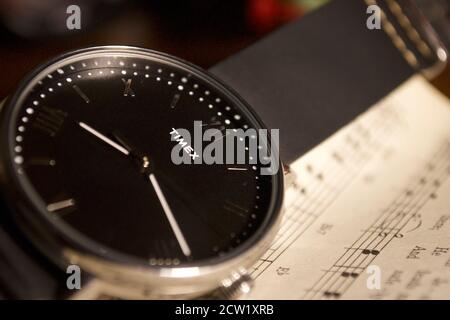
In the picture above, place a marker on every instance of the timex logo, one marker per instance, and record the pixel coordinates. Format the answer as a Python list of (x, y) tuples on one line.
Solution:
[(248, 149), (187, 148)]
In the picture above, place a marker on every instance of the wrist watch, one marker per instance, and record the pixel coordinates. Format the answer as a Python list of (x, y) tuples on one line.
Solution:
[(87, 174)]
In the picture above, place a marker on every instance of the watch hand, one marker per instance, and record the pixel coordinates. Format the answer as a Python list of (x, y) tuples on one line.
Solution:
[(125, 142), (186, 201), (129, 146), (173, 223), (134, 152), (103, 138)]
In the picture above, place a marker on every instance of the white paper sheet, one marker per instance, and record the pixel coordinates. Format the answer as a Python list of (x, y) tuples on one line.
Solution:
[(369, 217)]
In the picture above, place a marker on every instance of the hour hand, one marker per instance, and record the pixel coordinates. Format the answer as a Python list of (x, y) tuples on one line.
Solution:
[(142, 160), (130, 147), (104, 138)]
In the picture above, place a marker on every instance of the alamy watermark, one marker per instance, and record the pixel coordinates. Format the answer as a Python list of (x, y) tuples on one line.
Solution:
[(374, 20), (373, 281), (73, 21), (229, 146), (73, 281)]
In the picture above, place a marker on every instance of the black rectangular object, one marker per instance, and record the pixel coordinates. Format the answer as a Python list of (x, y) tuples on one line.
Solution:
[(315, 75)]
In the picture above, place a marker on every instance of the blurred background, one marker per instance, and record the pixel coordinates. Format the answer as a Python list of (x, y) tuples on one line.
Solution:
[(201, 31)]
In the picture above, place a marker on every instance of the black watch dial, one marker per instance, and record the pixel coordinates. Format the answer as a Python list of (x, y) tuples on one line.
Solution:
[(90, 144)]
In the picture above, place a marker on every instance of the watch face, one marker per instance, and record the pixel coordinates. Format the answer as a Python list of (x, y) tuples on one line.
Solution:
[(89, 143)]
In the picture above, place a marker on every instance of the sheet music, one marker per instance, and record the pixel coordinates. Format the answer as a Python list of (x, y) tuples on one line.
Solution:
[(369, 214)]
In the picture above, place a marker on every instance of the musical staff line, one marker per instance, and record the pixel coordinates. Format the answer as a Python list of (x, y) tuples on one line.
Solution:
[(365, 140), (366, 246), (405, 207)]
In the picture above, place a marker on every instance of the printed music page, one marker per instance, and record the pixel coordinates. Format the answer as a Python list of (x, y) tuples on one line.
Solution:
[(369, 214)]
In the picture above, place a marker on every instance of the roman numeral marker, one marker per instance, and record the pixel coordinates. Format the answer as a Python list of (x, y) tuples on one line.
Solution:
[(127, 91), (49, 120), (81, 93)]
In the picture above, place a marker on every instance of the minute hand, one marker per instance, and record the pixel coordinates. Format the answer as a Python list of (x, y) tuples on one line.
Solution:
[(173, 223), (104, 138)]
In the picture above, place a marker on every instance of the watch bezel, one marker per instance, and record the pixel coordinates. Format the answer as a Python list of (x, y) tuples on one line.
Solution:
[(63, 249)]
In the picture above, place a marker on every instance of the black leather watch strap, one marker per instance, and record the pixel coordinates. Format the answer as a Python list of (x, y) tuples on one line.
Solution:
[(25, 273), (313, 76)]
